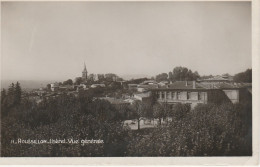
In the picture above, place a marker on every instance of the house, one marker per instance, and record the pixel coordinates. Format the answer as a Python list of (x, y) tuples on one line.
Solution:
[(193, 93), (54, 86), (163, 83), (146, 86), (132, 86), (149, 82), (97, 85), (82, 85), (142, 96)]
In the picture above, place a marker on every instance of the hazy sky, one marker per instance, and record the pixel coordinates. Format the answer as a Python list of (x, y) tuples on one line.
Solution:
[(51, 40)]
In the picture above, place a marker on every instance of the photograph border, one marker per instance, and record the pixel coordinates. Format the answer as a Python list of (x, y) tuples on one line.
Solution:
[(243, 160)]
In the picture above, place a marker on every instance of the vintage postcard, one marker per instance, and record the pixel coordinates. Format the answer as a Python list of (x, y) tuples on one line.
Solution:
[(130, 82)]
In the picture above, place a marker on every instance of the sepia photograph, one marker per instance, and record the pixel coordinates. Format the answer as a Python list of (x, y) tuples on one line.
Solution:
[(126, 79)]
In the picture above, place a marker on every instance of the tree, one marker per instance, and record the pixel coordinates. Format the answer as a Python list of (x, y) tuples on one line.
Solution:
[(158, 112), (4, 104), (101, 77), (110, 77), (3, 95), (91, 78), (68, 82), (78, 81), (138, 109), (184, 74), (17, 94), (170, 76), (11, 92), (196, 75), (245, 76), (161, 77), (180, 110), (48, 87)]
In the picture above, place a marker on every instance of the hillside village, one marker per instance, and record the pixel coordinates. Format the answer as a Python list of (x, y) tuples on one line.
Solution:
[(119, 92), (182, 106)]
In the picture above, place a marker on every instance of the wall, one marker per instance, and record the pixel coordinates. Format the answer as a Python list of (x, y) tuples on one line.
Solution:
[(181, 96), (233, 95)]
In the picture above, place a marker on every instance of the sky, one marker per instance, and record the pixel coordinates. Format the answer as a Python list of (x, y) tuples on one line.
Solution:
[(51, 40)]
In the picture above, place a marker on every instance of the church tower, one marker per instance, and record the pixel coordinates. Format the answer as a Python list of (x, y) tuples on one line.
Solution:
[(84, 73)]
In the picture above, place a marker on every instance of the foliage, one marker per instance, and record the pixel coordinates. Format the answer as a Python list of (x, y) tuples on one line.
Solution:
[(63, 117), (139, 110), (68, 82), (161, 77), (178, 74), (206, 131), (183, 73), (48, 87), (245, 76), (78, 81), (180, 110), (158, 112)]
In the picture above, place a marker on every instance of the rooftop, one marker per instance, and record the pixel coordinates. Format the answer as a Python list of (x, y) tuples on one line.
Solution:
[(185, 85), (216, 78)]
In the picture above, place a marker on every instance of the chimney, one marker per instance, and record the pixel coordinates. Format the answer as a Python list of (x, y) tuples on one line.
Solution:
[(194, 84)]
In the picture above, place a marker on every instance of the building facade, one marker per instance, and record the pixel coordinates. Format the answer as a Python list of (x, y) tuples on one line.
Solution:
[(196, 93)]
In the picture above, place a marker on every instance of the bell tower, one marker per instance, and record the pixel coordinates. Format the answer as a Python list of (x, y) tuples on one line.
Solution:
[(85, 73)]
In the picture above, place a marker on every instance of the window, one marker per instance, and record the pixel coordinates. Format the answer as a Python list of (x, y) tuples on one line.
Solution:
[(168, 95), (173, 95), (162, 95), (178, 95), (188, 95), (199, 95)]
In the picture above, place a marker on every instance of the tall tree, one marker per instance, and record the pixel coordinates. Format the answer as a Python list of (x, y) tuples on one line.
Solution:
[(17, 93), (158, 112), (161, 77), (184, 74), (138, 109), (10, 98), (3, 95), (91, 78)]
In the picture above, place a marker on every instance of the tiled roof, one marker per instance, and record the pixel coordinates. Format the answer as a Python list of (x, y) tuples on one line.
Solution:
[(148, 86), (149, 81), (185, 85), (216, 78), (226, 85)]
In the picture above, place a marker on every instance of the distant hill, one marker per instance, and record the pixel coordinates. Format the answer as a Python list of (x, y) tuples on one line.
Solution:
[(26, 84)]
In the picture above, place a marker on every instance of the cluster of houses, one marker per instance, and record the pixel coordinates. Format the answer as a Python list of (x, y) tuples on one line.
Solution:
[(213, 90)]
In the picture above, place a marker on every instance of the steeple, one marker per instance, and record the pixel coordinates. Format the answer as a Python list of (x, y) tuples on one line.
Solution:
[(85, 69), (84, 73)]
